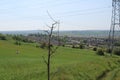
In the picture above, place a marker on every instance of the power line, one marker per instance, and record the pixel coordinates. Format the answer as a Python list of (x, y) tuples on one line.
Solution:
[(84, 12), (90, 9)]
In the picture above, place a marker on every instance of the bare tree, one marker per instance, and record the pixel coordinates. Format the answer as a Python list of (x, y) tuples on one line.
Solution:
[(51, 50)]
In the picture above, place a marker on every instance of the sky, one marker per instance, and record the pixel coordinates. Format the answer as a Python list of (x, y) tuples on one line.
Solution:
[(72, 14)]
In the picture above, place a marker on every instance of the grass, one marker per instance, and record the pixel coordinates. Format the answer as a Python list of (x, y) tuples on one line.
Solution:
[(66, 64)]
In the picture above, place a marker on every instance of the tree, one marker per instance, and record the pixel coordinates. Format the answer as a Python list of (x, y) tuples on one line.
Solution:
[(51, 49), (2, 37)]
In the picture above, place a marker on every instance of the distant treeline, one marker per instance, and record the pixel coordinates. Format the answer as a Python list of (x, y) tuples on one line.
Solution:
[(82, 33)]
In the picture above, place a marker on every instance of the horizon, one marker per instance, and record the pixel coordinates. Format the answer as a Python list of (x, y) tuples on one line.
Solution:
[(54, 30)]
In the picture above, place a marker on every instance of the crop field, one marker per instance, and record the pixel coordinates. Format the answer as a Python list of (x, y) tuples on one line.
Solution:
[(66, 64)]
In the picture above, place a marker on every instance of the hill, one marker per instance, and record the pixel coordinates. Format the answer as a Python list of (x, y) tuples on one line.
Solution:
[(66, 64)]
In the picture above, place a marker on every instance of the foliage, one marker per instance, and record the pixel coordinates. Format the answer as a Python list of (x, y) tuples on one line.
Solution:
[(37, 46), (43, 45), (2, 37), (22, 38), (116, 51), (17, 37), (27, 40), (94, 49), (17, 43), (73, 46), (85, 41), (108, 50), (63, 45), (100, 52), (81, 46), (117, 43)]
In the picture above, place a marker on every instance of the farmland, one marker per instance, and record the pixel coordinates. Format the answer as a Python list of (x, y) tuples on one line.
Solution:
[(66, 64)]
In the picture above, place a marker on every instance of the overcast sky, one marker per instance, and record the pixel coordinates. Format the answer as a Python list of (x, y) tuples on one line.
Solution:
[(73, 14)]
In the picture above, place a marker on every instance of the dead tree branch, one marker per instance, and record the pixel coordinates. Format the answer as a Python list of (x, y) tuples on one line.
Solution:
[(51, 50)]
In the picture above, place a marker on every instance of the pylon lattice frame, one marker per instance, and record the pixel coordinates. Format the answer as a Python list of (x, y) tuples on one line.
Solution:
[(115, 22)]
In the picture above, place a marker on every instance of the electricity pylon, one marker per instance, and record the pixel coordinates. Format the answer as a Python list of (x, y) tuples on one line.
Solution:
[(115, 23)]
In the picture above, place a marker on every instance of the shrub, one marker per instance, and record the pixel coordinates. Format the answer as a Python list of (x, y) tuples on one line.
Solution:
[(50, 45), (73, 46), (81, 46), (116, 51), (2, 37), (117, 44), (17, 43), (108, 50), (27, 40), (94, 49), (17, 37), (100, 52), (63, 45), (43, 45), (37, 46)]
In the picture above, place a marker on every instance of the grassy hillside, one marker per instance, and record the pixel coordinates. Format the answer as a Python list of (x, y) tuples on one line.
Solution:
[(66, 64)]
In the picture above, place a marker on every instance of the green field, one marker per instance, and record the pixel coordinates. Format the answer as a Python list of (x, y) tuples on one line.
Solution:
[(66, 64)]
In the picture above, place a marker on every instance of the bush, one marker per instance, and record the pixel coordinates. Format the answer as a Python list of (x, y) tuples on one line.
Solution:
[(2, 37), (116, 51), (73, 46), (100, 52), (17, 37), (81, 46), (27, 40), (17, 43), (117, 44), (108, 50), (43, 45), (63, 45), (37, 46), (94, 49)]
